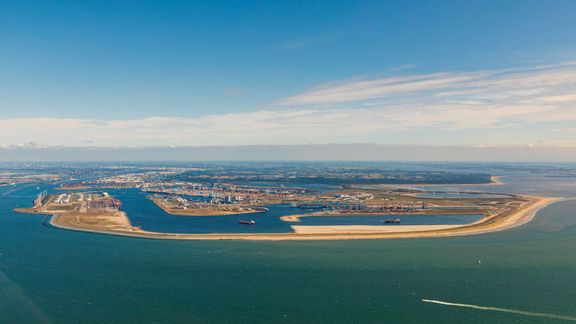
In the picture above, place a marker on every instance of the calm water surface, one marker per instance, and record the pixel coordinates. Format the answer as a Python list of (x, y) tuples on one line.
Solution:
[(144, 213), (51, 275)]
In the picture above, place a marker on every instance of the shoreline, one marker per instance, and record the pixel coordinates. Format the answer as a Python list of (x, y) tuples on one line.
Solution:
[(297, 217), (494, 181), (338, 232)]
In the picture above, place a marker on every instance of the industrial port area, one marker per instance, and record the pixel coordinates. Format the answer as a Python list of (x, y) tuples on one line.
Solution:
[(94, 201), (78, 203), (184, 198)]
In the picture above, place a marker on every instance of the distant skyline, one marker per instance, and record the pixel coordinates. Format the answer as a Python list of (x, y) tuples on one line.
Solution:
[(310, 152), (181, 74)]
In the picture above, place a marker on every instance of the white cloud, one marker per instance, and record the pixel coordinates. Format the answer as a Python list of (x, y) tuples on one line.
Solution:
[(379, 124), (363, 90), (483, 107), (504, 84)]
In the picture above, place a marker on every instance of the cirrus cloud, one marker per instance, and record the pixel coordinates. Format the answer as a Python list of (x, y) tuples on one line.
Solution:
[(490, 107)]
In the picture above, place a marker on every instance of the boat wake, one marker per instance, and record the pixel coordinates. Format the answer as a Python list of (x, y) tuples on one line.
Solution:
[(503, 310)]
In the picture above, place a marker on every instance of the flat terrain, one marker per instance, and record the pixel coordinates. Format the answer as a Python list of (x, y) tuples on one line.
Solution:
[(220, 210), (119, 225), (498, 214)]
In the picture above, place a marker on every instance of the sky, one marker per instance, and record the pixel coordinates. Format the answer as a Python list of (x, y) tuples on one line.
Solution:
[(140, 74)]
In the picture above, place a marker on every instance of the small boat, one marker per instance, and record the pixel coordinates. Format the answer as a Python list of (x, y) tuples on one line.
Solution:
[(392, 221), (247, 222)]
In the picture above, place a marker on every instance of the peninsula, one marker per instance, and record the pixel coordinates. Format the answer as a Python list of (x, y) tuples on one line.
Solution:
[(179, 206), (99, 213)]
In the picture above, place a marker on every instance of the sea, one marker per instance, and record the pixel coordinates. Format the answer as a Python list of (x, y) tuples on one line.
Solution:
[(522, 275)]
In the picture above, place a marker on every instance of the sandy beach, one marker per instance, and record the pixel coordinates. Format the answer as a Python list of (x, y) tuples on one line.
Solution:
[(357, 229), (298, 217), (119, 224)]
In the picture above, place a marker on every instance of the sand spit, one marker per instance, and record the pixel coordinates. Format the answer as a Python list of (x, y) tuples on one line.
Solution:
[(119, 224)]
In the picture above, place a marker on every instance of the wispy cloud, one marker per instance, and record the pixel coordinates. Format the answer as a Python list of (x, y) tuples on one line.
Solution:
[(501, 107), (339, 92), (446, 124), (503, 84)]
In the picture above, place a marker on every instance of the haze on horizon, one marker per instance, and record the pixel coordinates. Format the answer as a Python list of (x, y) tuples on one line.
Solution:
[(485, 80)]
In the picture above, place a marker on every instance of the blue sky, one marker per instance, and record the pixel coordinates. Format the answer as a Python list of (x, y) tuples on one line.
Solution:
[(185, 73)]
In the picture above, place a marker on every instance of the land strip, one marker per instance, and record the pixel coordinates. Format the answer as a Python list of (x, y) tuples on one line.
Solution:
[(117, 223), (220, 210)]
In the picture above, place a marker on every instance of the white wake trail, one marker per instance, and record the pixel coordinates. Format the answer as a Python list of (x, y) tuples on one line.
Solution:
[(504, 310)]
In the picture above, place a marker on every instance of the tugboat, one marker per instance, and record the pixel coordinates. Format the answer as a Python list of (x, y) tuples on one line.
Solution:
[(247, 222)]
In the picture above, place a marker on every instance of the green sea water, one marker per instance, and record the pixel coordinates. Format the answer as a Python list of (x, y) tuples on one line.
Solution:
[(52, 275)]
